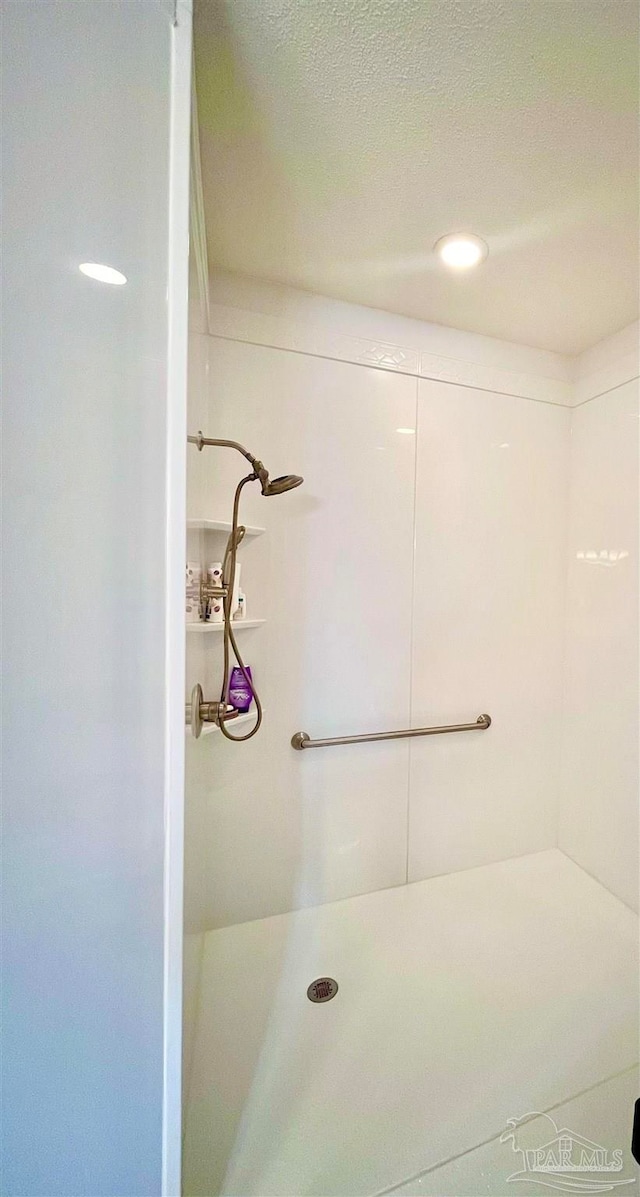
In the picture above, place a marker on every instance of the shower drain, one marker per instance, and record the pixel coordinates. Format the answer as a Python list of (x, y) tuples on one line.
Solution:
[(322, 989)]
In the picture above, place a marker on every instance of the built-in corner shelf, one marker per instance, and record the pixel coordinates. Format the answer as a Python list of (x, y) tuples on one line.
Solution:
[(207, 626), (222, 526)]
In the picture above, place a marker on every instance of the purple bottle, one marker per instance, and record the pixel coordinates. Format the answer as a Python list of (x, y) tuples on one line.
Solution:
[(240, 692)]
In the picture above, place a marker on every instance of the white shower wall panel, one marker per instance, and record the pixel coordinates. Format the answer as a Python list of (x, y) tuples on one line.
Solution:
[(488, 607), (269, 829), (599, 808), (386, 608)]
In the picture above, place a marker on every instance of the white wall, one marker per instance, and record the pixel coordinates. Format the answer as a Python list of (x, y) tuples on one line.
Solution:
[(598, 822), (86, 86), (193, 948), (488, 608), (268, 314), (269, 829), (196, 647), (335, 576)]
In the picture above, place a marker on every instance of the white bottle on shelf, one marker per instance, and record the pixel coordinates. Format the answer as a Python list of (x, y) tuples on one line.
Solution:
[(215, 610), (192, 595), (236, 591), (214, 573)]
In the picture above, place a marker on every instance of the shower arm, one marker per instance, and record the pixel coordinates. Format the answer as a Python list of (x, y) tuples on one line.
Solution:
[(259, 469)]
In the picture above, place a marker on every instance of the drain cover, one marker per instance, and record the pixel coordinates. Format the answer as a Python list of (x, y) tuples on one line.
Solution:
[(322, 989)]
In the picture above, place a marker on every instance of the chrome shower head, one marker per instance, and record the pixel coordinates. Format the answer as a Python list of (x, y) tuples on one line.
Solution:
[(279, 485)]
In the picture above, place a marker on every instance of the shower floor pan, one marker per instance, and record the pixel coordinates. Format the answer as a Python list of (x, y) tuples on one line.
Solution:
[(463, 1001)]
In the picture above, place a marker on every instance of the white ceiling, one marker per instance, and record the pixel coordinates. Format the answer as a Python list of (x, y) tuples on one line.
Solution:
[(341, 138)]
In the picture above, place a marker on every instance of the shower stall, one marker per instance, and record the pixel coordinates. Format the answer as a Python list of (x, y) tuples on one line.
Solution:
[(411, 958)]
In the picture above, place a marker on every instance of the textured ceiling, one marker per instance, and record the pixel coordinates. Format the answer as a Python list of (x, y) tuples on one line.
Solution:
[(341, 138)]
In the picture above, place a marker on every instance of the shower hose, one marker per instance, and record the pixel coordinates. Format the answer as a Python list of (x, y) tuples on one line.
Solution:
[(228, 579)]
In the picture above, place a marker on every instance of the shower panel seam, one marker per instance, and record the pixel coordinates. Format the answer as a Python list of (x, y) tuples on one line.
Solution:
[(564, 627), (348, 361), (416, 1176), (597, 880), (600, 395), (412, 618)]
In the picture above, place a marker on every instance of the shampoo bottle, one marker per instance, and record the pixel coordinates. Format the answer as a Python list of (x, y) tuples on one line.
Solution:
[(240, 692)]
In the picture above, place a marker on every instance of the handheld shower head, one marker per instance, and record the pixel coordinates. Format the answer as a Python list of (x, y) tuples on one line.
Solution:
[(279, 485)]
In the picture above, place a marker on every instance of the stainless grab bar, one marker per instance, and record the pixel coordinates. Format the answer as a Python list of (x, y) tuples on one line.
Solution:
[(301, 740)]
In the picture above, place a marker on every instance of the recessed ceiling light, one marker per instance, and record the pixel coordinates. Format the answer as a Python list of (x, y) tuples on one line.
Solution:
[(407, 431), (461, 251), (103, 274)]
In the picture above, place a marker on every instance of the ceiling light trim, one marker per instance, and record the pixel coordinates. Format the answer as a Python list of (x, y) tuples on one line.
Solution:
[(461, 251)]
